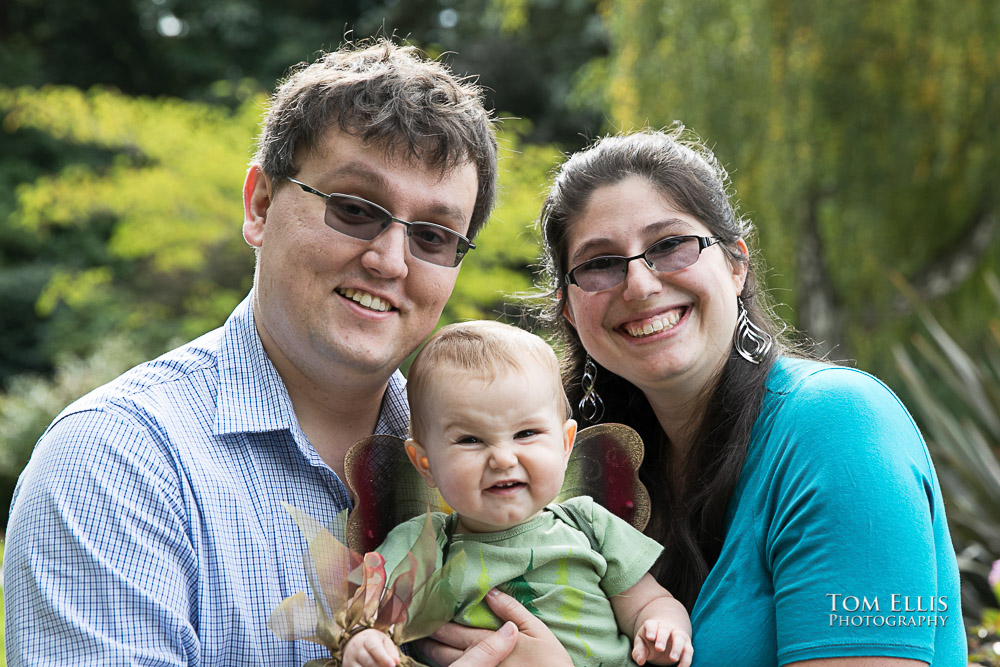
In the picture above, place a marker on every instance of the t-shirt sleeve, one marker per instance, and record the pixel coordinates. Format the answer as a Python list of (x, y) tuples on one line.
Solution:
[(848, 534), (629, 553), (99, 567)]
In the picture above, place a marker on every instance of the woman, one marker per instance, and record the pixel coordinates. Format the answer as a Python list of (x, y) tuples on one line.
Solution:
[(799, 510)]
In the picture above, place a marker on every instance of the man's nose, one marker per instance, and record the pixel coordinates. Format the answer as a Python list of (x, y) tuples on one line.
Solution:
[(386, 254)]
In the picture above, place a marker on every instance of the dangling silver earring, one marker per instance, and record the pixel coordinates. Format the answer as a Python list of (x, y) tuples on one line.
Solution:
[(591, 406), (752, 343)]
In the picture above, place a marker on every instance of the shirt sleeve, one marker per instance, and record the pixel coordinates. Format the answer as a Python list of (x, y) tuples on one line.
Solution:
[(847, 531), (629, 553), (98, 565)]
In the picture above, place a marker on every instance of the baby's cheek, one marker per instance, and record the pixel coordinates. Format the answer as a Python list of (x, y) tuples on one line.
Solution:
[(456, 495)]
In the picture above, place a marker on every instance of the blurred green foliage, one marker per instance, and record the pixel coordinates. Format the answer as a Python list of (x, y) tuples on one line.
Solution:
[(984, 637), (145, 243), (525, 52)]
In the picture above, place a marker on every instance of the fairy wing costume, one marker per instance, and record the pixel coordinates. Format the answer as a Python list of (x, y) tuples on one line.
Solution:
[(387, 489), (353, 591)]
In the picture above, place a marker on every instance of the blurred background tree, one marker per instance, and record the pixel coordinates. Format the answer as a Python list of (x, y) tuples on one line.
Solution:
[(861, 138)]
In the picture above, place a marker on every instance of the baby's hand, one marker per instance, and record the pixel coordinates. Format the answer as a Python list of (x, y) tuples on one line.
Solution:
[(370, 648), (662, 644)]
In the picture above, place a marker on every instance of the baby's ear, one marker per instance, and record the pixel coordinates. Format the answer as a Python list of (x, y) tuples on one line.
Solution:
[(418, 457), (569, 437)]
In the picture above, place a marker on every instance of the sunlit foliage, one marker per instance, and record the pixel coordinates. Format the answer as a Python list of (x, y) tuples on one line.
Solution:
[(166, 207)]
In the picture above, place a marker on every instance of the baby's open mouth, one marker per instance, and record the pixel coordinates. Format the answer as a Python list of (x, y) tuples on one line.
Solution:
[(504, 486)]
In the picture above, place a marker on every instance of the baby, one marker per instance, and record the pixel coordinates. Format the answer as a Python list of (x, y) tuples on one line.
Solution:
[(490, 429)]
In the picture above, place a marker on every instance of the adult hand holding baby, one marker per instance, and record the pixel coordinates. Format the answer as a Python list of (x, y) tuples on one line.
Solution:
[(523, 637), (372, 648)]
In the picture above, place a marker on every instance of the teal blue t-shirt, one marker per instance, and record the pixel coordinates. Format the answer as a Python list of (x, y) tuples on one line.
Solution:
[(836, 542)]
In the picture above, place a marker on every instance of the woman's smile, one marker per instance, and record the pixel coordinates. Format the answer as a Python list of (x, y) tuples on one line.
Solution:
[(645, 327)]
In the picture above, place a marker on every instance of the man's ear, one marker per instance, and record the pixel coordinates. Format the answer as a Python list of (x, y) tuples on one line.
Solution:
[(418, 457), (256, 200), (569, 437)]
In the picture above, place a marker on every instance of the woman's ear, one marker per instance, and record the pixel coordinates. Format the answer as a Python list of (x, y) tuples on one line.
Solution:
[(256, 200), (418, 457), (739, 273), (567, 312)]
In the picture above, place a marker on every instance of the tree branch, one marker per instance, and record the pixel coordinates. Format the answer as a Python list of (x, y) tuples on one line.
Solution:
[(819, 314), (946, 272)]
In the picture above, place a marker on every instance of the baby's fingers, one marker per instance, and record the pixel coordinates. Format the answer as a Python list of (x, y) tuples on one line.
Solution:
[(639, 651), (679, 644), (380, 651), (657, 634)]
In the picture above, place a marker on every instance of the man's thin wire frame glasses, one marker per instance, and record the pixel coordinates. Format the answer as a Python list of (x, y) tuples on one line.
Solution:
[(671, 253), (362, 219)]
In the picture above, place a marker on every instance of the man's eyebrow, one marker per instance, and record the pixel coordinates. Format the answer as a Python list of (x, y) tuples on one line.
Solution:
[(362, 170), (661, 227), (375, 180)]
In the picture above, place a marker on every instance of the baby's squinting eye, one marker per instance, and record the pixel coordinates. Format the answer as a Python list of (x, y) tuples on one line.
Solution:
[(526, 433), (468, 440)]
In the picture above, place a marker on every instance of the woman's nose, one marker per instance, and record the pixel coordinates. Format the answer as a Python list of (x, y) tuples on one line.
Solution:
[(641, 280)]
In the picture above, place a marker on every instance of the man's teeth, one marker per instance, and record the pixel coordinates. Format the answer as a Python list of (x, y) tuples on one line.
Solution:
[(365, 299), (654, 325)]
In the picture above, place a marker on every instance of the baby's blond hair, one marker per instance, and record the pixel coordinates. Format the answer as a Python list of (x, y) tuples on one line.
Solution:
[(483, 349)]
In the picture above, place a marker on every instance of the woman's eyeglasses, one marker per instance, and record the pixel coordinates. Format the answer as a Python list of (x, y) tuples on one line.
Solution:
[(365, 220), (672, 253)]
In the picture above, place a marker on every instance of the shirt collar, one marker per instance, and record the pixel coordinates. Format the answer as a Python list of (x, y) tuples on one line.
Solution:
[(394, 415), (252, 396)]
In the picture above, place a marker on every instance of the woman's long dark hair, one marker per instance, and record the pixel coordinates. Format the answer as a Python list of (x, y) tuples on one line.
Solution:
[(689, 522)]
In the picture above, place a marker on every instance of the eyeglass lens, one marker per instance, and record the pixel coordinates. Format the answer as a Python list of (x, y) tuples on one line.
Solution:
[(364, 220), (670, 254)]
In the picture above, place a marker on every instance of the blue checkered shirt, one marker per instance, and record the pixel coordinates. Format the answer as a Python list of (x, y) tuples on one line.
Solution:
[(148, 528)]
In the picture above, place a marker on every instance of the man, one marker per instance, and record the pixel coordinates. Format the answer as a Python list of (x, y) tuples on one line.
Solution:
[(148, 527)]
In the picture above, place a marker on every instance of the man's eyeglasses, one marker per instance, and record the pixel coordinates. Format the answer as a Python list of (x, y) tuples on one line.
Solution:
[(672, 253), (365, 220)]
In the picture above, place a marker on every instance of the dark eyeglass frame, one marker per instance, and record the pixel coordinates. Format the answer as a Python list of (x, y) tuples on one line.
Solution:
[(463, 244), (623, 262)]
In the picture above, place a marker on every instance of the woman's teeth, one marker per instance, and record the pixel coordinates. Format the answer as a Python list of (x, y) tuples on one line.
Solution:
[(365, 299), (654, 325)]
